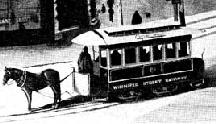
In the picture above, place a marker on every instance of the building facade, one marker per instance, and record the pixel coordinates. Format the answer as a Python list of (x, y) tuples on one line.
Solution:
[(26, 22)]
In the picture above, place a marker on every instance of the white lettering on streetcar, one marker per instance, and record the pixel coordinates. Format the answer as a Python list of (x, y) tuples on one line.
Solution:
[(155, 35), (129, 85), (176, 79), (152, 82), (158, 81)]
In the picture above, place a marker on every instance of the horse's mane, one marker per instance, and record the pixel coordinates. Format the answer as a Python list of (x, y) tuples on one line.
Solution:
[(13, 69), (39, 73), (22, 70)]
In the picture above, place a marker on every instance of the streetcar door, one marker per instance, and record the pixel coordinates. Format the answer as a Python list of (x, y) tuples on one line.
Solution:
[(95, 58), (103, 63)]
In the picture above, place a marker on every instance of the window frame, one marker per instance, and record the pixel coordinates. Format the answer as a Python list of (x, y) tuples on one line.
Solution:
[(110, 58), (138, 61), (107, 58), (162, 53), (150, 54), (124, 56), (189, 49), (175, 50)]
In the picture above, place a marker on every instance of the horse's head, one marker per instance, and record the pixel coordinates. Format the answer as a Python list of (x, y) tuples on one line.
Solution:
[(11, 73), (7, 76)]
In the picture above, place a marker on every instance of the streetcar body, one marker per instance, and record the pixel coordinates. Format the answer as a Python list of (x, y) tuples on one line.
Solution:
[(137, 60)]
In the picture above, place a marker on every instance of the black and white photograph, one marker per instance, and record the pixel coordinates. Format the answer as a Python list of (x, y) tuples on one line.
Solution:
[(107, 61)]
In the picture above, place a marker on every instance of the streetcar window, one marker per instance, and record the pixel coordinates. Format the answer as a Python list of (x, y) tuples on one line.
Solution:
[(170, 50), (116, 57), (130, 55), (104, 58), (157, 52), (144, 54), (183, 49)]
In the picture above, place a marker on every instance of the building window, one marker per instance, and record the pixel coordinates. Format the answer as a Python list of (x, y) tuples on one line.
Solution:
[(130, 55), (157, 52), (144, 54), (116, 57)]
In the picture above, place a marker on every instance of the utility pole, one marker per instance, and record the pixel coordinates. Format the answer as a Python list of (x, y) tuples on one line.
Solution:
[(176, 11), (122, 22), (182, 14), (178, 6)]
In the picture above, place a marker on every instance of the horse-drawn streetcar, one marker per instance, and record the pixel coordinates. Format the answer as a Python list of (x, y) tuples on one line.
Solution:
[(127, 62), (132, 61)]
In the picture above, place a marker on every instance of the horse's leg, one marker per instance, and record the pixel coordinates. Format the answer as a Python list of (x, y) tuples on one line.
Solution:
[(52, 79), (58, 89), (55, 96), (28, 94)]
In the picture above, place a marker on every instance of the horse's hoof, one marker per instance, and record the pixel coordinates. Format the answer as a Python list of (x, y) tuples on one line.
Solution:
[(33, 110), (55, 106), (30, 110)]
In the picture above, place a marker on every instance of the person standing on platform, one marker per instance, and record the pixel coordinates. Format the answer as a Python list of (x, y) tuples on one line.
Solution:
[(85, 64)]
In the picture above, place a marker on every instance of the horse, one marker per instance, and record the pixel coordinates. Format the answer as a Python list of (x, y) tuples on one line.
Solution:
[(35, 81)]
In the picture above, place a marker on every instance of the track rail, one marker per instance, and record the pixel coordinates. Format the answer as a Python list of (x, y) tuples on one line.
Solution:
[(67, 109)]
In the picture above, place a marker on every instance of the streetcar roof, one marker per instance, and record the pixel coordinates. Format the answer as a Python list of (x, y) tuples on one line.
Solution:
[(128, 34)]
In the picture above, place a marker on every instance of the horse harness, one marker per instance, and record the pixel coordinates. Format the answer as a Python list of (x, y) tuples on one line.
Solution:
[(21, 82)]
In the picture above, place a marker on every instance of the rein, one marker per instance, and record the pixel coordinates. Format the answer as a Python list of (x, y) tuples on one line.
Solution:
[(59, 82), (23, 78), (42, 94), (66, 77)]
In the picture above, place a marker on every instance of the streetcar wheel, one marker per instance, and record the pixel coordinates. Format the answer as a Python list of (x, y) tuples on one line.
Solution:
[(162, 90), (129, 96), (198, 85)]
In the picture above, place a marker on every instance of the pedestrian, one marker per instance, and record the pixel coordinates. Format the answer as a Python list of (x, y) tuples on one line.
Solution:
[(103, 9), (85, 64), (136, 19), (111, 12)]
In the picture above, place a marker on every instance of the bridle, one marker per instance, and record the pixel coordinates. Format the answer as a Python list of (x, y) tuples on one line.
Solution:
[(20, 81), (6, 82)]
